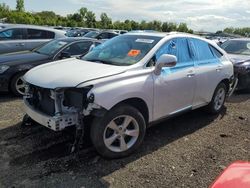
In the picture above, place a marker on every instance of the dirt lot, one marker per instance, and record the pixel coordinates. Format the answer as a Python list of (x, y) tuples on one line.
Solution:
[(187, 151)]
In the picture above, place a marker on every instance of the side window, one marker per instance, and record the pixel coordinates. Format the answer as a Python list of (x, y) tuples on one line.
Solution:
[(78, 48), (39, 34), (111, 35), (103, 36), (216, 52), (50, 35), (12, 34), (200, 50), (178, 47), (168, 48)]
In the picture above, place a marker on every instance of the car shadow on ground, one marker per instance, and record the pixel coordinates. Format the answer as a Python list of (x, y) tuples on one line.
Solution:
[(239, 96), (35, 146), (6, 97)]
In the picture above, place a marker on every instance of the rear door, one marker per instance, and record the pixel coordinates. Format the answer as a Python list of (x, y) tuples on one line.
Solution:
[(208, 68), (174, 87), (36, 37), (12, 40)]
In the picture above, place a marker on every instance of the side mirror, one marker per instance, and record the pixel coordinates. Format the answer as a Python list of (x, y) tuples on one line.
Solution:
[(65, 55), (165, 61)]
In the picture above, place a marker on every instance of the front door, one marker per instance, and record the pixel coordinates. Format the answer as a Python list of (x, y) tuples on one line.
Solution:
[(174, 88)]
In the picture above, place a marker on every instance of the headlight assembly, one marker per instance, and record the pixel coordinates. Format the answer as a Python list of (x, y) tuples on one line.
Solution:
[(3, 68)]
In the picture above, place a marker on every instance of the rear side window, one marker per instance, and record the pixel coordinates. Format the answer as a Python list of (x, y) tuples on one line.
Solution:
[(111, 35), (103, 36), (50, 35), (216, 52), (12, 34), (39, 34), (200, 50), (78, 48), (123, 32)]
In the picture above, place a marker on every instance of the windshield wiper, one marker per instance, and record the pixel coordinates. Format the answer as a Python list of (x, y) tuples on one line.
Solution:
[(106, 62), (98, 61)]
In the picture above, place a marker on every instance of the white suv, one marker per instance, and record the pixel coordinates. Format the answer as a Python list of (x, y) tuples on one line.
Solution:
[(127, 84)]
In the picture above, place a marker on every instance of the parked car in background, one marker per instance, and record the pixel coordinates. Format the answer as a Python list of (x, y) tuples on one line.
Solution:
[(14, 65), (239, 53), (121, 31), (236, 175), (14, 38), (78, 32), (127, 84), (101, 35)]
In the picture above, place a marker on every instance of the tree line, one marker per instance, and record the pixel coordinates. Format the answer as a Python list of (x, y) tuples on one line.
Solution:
[(245, 31), (83, 18)]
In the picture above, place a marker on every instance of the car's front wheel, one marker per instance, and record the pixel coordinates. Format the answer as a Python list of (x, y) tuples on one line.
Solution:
[(119, 133)]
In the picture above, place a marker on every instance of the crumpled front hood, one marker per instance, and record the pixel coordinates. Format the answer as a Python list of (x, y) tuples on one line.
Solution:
[(70, 73)]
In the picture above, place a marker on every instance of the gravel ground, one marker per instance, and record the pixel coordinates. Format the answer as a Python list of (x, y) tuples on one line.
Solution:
[(187, 151)]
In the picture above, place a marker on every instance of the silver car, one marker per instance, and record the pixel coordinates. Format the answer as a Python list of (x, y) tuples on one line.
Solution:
[(14, 38), (127, 84)]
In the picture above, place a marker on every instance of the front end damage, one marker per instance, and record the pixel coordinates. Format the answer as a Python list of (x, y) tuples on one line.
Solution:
[(58, 108)]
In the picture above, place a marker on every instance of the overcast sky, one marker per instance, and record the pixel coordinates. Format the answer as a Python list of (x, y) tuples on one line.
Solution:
[(206, 15)]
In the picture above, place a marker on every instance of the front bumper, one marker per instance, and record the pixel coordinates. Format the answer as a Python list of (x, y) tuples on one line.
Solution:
[(55, 123), (4, 83)]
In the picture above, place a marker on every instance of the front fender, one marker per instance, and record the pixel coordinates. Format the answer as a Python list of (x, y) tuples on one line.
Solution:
[(108, 95)]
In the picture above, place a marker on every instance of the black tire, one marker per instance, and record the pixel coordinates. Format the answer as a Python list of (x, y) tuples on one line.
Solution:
[(211, 108), (27, 121), (13, 82), (99, 126)]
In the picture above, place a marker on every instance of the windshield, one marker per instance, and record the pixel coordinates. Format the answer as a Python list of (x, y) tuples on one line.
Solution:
[(92, 34), (122, 50), (237, 47), (51, 48)]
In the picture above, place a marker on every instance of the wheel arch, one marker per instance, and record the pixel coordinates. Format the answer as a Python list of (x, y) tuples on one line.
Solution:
[(226, 82), (13, 75), (137, 103)]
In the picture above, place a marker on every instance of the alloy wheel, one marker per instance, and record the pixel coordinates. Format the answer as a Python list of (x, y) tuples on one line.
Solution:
[(20, 85), (121, 133), (219, 98)]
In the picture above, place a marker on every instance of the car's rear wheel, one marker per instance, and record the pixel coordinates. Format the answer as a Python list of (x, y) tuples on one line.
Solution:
[(218, 100), (119, 133), (17, 85)]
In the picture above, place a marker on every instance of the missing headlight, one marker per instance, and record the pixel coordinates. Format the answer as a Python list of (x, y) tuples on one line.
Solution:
[(74, 97)]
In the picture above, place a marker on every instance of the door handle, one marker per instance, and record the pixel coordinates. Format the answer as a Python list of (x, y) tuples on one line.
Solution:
[(191, 74), (219, 68), (20, 44)]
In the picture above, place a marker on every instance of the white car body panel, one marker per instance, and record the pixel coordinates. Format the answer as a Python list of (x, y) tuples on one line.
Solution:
[(164, 95), (51, 76), (173, 92)]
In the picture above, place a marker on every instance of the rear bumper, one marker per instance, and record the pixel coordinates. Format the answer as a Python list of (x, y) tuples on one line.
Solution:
[(55, 123)]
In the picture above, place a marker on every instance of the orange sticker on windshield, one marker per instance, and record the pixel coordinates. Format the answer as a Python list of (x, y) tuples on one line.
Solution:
[(134, 53)]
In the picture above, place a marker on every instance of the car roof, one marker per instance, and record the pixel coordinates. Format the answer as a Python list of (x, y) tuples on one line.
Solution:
[(172, 35), (9, 26), (240, 39), (108, 31), (153, 34), (75, 39), (167, 34)]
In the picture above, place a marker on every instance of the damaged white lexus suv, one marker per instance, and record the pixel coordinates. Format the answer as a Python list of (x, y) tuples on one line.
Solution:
[(127, 84)]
